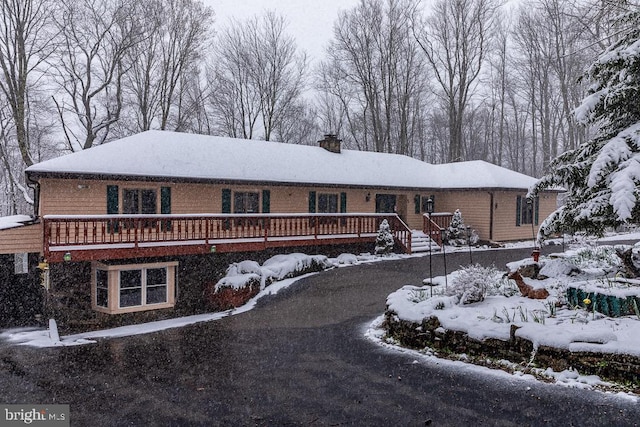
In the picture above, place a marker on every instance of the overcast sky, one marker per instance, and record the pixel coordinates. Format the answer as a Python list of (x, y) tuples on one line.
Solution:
[(310, 21)]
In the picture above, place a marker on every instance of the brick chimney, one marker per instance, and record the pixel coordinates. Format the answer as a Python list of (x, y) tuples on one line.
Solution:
[(331, 143)]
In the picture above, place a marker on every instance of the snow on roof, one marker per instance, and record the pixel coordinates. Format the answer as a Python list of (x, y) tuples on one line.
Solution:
[(162, 154), (480, 174), (13, 221)]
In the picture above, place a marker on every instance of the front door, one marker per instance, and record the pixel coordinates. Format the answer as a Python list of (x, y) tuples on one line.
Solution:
[(401, 207)]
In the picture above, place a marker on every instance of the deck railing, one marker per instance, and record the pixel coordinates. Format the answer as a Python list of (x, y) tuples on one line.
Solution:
[(434, 224), (253, 231)]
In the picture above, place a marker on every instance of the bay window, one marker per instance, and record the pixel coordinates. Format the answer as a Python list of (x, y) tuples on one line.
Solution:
[(136, 287)]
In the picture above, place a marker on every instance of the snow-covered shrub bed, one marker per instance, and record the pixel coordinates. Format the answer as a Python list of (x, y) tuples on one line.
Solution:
[(244, 274), (500, 312), (244, 280), (594, 260)]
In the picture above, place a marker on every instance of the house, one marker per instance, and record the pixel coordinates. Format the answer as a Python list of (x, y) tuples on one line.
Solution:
[(125, 219)]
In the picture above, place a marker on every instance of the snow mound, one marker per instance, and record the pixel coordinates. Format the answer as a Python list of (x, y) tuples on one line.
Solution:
[(242, 274)]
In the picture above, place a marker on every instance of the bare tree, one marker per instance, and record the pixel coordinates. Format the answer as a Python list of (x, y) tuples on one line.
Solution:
[(548, 58), (376, 72), (16, 195), (280, 70), (234, 97), (258, 77), (299, 125), (176, 32), (25, 42), (456, 38), (95, 36)]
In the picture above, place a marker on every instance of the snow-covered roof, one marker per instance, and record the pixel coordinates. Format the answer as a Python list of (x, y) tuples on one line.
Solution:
[(173, 155), (13, 221)]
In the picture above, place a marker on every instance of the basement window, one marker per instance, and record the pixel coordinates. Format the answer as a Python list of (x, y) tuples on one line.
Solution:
[(134, 287)]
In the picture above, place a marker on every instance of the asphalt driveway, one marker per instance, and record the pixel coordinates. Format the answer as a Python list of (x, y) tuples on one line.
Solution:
[(298, 358)]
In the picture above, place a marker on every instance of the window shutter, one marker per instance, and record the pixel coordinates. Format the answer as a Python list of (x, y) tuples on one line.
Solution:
[(112, 199), (165, 200), (518, 210), (343, 202), (536, 212), (416, 204), (226, 200), (312, 202), (165, 206), (112, 207), (266, 201)]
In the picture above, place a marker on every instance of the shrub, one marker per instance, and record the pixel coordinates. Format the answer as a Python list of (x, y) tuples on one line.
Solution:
[(458, 234), (384, 240), (472, 283)]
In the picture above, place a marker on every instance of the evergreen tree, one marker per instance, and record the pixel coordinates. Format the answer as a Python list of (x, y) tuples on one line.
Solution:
[(602, 175), (456, 233), (384, 240)]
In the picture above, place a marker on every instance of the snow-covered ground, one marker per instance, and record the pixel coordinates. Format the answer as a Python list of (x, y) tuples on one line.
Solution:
[(275, 271), (41, 337), (540, 321), (550, 321)]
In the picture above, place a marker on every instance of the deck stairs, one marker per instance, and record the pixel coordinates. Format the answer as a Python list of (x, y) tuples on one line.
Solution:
[(420, 242)]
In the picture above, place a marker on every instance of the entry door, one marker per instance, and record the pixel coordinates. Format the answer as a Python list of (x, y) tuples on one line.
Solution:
[(401, 207), (385, 203)]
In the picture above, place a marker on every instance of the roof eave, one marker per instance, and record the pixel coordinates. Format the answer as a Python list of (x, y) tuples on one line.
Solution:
[(37, 175)]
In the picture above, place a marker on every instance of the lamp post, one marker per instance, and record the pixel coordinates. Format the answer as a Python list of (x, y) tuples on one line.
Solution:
[(536, 252), (444, 258), (430, 211)]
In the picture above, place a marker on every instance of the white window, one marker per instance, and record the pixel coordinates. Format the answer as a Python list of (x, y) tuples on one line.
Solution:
[(140, 287), (127, 288), (102, 288), (21, 263)]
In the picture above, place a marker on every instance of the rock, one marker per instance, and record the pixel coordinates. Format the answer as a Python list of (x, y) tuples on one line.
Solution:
[(557, 268), (530, 270)]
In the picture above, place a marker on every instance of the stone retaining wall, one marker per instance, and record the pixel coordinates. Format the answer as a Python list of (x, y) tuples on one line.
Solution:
[(620, 368)]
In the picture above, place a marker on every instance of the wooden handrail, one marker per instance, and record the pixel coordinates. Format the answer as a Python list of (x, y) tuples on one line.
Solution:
[(433, 225), (134, 231)]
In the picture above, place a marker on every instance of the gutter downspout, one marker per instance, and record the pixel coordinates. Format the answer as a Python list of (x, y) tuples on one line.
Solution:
[(491, 215), (35, 186)]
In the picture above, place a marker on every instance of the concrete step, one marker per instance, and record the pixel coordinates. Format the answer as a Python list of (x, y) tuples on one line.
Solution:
[(420, 242)]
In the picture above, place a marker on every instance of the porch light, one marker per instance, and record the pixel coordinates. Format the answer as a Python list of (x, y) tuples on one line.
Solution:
[(67, 256), (212, 249), (429, 205), (367, 197)]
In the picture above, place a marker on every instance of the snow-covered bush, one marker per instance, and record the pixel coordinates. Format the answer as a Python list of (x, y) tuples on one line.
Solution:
[(248, 273), (243, 267), (384, 240), (600, 257), (281, 267), (238, 281), (346, 259), (472, 283)]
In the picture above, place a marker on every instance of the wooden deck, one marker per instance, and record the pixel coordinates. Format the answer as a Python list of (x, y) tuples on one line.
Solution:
[(104, 237)]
